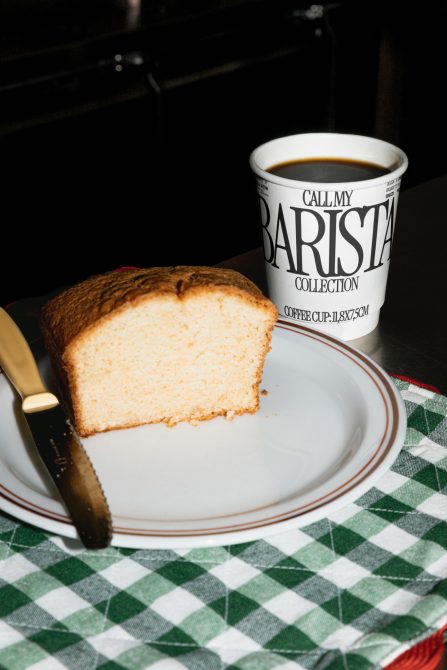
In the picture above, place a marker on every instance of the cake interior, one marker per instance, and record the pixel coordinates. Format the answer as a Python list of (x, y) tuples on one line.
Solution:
[(170, 359)]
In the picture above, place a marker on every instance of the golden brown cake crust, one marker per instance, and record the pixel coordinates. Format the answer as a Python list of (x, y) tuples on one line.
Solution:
[(78, 308)]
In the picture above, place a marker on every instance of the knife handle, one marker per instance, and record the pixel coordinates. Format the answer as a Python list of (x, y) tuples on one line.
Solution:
[(18, 364)]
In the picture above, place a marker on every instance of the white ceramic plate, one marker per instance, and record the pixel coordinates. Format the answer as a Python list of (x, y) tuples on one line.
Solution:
[(329, 426)]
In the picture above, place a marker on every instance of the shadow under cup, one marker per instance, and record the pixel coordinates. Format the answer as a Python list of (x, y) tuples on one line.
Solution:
[(327, 244)]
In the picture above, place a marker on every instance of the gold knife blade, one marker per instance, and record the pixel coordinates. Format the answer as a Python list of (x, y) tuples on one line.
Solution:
[(56, 441)]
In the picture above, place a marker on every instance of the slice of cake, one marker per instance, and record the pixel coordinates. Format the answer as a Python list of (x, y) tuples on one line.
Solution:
[(161, 344)]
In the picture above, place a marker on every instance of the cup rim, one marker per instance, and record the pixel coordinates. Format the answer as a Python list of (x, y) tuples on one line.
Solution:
[(329, 186)]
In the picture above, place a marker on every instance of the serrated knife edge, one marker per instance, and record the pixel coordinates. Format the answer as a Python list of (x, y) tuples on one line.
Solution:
[(56, 441)]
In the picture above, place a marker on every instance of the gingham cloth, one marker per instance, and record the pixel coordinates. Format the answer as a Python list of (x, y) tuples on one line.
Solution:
[(349, 592)]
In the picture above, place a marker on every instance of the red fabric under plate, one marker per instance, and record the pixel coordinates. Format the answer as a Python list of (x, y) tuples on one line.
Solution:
[(427, 655), (416, 382)]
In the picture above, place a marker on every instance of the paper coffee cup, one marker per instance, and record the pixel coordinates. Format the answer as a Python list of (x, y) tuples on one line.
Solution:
[(327, 245)]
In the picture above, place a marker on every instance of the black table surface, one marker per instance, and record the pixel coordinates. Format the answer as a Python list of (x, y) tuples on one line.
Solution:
[(411, 338)]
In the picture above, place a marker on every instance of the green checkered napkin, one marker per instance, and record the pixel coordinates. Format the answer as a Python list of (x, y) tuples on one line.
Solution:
[(351, 591)]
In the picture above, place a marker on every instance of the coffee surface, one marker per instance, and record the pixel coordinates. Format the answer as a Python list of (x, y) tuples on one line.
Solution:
[(328, 170)]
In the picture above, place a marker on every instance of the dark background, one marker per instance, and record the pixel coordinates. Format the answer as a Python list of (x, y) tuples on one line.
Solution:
[(126, 126)]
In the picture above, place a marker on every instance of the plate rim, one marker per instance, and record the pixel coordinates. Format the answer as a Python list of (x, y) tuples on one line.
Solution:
[(126, 536)]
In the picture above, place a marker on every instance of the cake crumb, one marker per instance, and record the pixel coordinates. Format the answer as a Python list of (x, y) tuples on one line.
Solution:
[(264, 392)]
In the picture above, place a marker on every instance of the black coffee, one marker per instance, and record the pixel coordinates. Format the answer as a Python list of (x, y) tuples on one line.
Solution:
[(328, 170)]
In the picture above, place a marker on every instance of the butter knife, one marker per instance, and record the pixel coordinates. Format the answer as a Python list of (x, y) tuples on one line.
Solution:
[(56, 441)]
